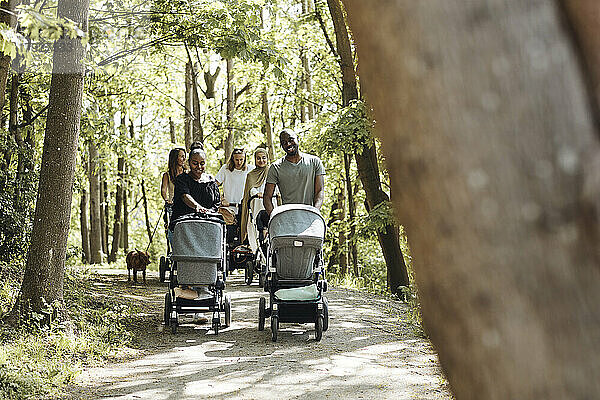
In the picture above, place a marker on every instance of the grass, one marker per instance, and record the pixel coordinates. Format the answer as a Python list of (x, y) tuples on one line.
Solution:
[(38, 361)]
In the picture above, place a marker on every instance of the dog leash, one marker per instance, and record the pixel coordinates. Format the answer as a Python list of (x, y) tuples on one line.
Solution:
[(155, 227)]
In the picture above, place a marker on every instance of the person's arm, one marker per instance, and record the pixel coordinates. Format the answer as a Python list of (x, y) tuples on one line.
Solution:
[(191, 203), (268, 197), (164, 188), (319, 191)]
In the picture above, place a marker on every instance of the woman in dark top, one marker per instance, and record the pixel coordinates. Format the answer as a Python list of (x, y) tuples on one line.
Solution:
[(195, 191)]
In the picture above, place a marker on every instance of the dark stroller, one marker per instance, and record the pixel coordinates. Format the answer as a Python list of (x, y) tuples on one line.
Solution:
[(164, 265), (295, 278), (238, 253), (257, 264), (199, 260)]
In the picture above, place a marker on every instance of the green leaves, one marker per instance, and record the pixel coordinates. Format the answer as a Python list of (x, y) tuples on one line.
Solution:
[(349, 130)]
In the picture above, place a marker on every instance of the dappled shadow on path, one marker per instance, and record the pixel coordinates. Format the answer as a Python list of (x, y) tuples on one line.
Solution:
[(368, 352)]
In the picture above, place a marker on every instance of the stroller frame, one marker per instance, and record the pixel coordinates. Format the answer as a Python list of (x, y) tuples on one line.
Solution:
[(296, 311), (216, 304)]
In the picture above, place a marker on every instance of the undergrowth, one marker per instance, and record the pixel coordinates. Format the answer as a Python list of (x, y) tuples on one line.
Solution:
[(37, 361)]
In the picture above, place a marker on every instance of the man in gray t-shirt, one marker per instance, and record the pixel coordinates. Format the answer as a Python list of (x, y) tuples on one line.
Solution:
[(299, 176)]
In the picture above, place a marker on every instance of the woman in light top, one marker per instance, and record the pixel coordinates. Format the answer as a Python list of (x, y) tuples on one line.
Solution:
[(232, 176), (255, 186)]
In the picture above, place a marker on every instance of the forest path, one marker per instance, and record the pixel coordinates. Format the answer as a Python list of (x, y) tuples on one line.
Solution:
[(368, 352)]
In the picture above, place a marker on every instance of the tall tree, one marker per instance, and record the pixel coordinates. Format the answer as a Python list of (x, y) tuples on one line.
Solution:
[(228, 145), (44, 271), (366, 158), (84, 226), (497, 185), (7, 17), (95, 216), (187, 122)]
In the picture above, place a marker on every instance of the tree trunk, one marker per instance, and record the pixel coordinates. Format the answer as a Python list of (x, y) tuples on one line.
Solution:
[(118, 206), (266, 124), (103, 212), (582, 17), (187, 121), (145, 201), (7, 17), (197, 132), (125, 230), (13, 121), (307, 85), (95, 225), (351, 212), (172, 131), (44, 271), (366, 160), (230, 107), (497, 186), (83, 224)]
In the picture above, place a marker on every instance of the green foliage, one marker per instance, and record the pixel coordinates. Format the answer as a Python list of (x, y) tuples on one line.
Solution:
[(349, 130), (38, 361)]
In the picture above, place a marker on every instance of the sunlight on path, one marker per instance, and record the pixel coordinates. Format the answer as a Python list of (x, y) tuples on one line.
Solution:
[(357, 358)]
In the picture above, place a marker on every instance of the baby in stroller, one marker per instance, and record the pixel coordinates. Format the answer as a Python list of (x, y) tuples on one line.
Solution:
[(295, 278)]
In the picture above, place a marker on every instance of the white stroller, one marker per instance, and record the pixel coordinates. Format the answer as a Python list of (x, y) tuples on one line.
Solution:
[(295, 278), (199, 260)]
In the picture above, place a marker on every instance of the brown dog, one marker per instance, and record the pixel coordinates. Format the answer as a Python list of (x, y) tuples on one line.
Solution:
[(137, 261)]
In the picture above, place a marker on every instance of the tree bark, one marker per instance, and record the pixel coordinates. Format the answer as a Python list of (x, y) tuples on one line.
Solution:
[(125, 230), (84, 226), (187, 121), (497, 185), (366, 159), (307, 84), (582, 18), (95, 225), (44, 271)]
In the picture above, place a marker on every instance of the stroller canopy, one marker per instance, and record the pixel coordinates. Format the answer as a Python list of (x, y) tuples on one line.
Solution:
[(197, 240), (297, 220)]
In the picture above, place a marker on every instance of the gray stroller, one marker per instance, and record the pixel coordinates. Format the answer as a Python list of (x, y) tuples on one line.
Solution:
[(199, 261), (295, 274)]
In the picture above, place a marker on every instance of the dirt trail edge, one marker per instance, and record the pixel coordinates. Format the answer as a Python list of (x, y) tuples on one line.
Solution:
[(368, 352)]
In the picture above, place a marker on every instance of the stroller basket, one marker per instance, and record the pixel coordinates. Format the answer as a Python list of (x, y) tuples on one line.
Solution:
[(198, 251)]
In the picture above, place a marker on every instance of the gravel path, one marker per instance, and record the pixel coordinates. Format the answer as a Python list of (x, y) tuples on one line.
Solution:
[(369, 352)]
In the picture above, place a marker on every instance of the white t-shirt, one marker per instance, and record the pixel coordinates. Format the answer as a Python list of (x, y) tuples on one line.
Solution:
[(233, 182)]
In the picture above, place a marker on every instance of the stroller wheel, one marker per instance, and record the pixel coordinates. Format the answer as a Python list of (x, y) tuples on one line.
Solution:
[(249, 272), (261, 279), (162, 268), (261, 313), (319, 328), (174, 324), (167, 312), (274, 328), (227, 311), (325, 314)]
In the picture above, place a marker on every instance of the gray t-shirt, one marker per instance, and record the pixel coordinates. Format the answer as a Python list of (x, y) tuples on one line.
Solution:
[(296, 182)]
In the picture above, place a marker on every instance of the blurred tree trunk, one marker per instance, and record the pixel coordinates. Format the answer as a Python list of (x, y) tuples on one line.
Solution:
[(44, 271), (494, 158), (366, 160), (187, 121), (95, 225), (84, 227)]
